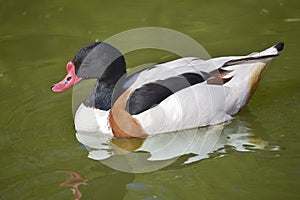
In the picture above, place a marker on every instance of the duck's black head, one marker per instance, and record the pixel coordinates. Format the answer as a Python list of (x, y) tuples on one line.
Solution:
[(82, 54), (98, 60)]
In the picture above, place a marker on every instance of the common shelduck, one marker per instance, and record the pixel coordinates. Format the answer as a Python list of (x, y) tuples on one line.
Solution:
[(176, 95)]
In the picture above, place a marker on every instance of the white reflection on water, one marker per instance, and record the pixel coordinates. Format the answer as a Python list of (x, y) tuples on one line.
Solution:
[(158, 151)]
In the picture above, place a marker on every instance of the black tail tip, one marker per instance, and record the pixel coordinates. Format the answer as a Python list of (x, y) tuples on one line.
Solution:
[(279, 46)]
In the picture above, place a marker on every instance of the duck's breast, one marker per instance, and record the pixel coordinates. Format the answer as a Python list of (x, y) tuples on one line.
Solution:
[(88, 119)]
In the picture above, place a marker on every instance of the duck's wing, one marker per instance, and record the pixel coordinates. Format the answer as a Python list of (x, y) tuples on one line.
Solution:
[(153, 93), (163, 71), (190, 92), (153, 85)]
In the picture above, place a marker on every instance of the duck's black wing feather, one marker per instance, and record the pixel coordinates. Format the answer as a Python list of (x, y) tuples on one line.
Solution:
[(151, 94)]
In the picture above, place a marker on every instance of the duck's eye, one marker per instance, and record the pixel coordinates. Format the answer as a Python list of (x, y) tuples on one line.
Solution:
[(69, 78)]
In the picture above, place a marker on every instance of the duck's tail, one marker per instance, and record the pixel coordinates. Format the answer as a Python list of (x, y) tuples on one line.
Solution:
[(253, 57), (246, 72)]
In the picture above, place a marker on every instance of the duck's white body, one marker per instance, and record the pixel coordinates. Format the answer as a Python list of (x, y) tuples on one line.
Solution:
[(89, 119), (201, 104)]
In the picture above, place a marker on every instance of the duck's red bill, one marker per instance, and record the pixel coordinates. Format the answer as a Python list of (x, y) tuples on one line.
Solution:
[(70, 79)]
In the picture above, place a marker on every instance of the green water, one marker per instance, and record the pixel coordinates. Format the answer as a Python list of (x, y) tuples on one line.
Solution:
[(37, 135)]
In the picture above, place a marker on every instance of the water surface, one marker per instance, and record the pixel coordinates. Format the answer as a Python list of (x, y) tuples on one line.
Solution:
[(37, 135)]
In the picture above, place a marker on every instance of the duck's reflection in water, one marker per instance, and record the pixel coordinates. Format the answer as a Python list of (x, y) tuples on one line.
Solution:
[(73, 182), (154, 152)]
